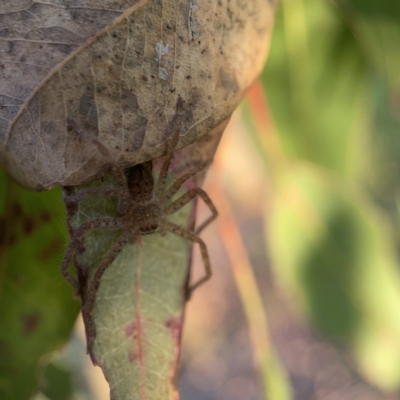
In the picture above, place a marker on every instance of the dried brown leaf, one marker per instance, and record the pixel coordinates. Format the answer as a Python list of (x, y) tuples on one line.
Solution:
[(117, 67)]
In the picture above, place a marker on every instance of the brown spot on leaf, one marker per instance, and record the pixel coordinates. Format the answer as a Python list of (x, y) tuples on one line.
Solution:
[(53, 248), (30, 323), (12, 239), (3, 235), (131, 332), (174, 324), (17, 210), (28, 224), (132, 356), (131, 329), (7, 236), (45, 217)]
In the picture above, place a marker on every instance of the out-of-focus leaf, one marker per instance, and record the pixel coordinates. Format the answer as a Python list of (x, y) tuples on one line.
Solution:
[(37, 309), (380, 172), (377, 28), (58, 383), (333, 252), (274, 380), (332, 248), (314, 80)]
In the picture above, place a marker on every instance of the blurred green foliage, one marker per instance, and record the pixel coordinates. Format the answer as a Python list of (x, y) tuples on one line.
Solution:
[(37, 309), (333, 230), (376, 26), (59, 385), (315, 80)]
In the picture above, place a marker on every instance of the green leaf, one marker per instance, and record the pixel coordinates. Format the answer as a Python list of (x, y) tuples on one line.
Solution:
[(315, 82), (376, 25), (58, 383), (139, 307), (37, 309), (332, 246), (380, 173), (333, 252), (138, 347)]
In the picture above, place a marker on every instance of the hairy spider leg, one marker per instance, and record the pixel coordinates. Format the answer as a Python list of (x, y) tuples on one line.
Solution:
[(93, 191), (64, 268), (193, 237), (181, 180), (186, 198), (94, 286), (106, 223)]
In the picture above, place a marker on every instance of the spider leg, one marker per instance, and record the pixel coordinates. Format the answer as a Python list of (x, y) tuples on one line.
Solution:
[(93, 191), (90, 138), (190, 195), (98, 223), (180, 181), (162, 177), (193, 237), (108, 223), (91, 294), (69, 255)]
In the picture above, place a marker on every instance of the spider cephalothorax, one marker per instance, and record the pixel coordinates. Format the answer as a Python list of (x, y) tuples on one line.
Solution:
[(143, 208)]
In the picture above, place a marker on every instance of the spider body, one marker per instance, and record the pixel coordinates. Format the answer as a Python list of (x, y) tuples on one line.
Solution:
[(143, 208), (148, 217), (141, 211)]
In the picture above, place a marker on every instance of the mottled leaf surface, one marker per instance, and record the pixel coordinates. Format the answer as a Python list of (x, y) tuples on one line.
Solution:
[(117, 68), (37, 311)]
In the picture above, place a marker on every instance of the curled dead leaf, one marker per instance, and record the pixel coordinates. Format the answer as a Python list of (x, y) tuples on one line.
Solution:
[(117, 68)]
